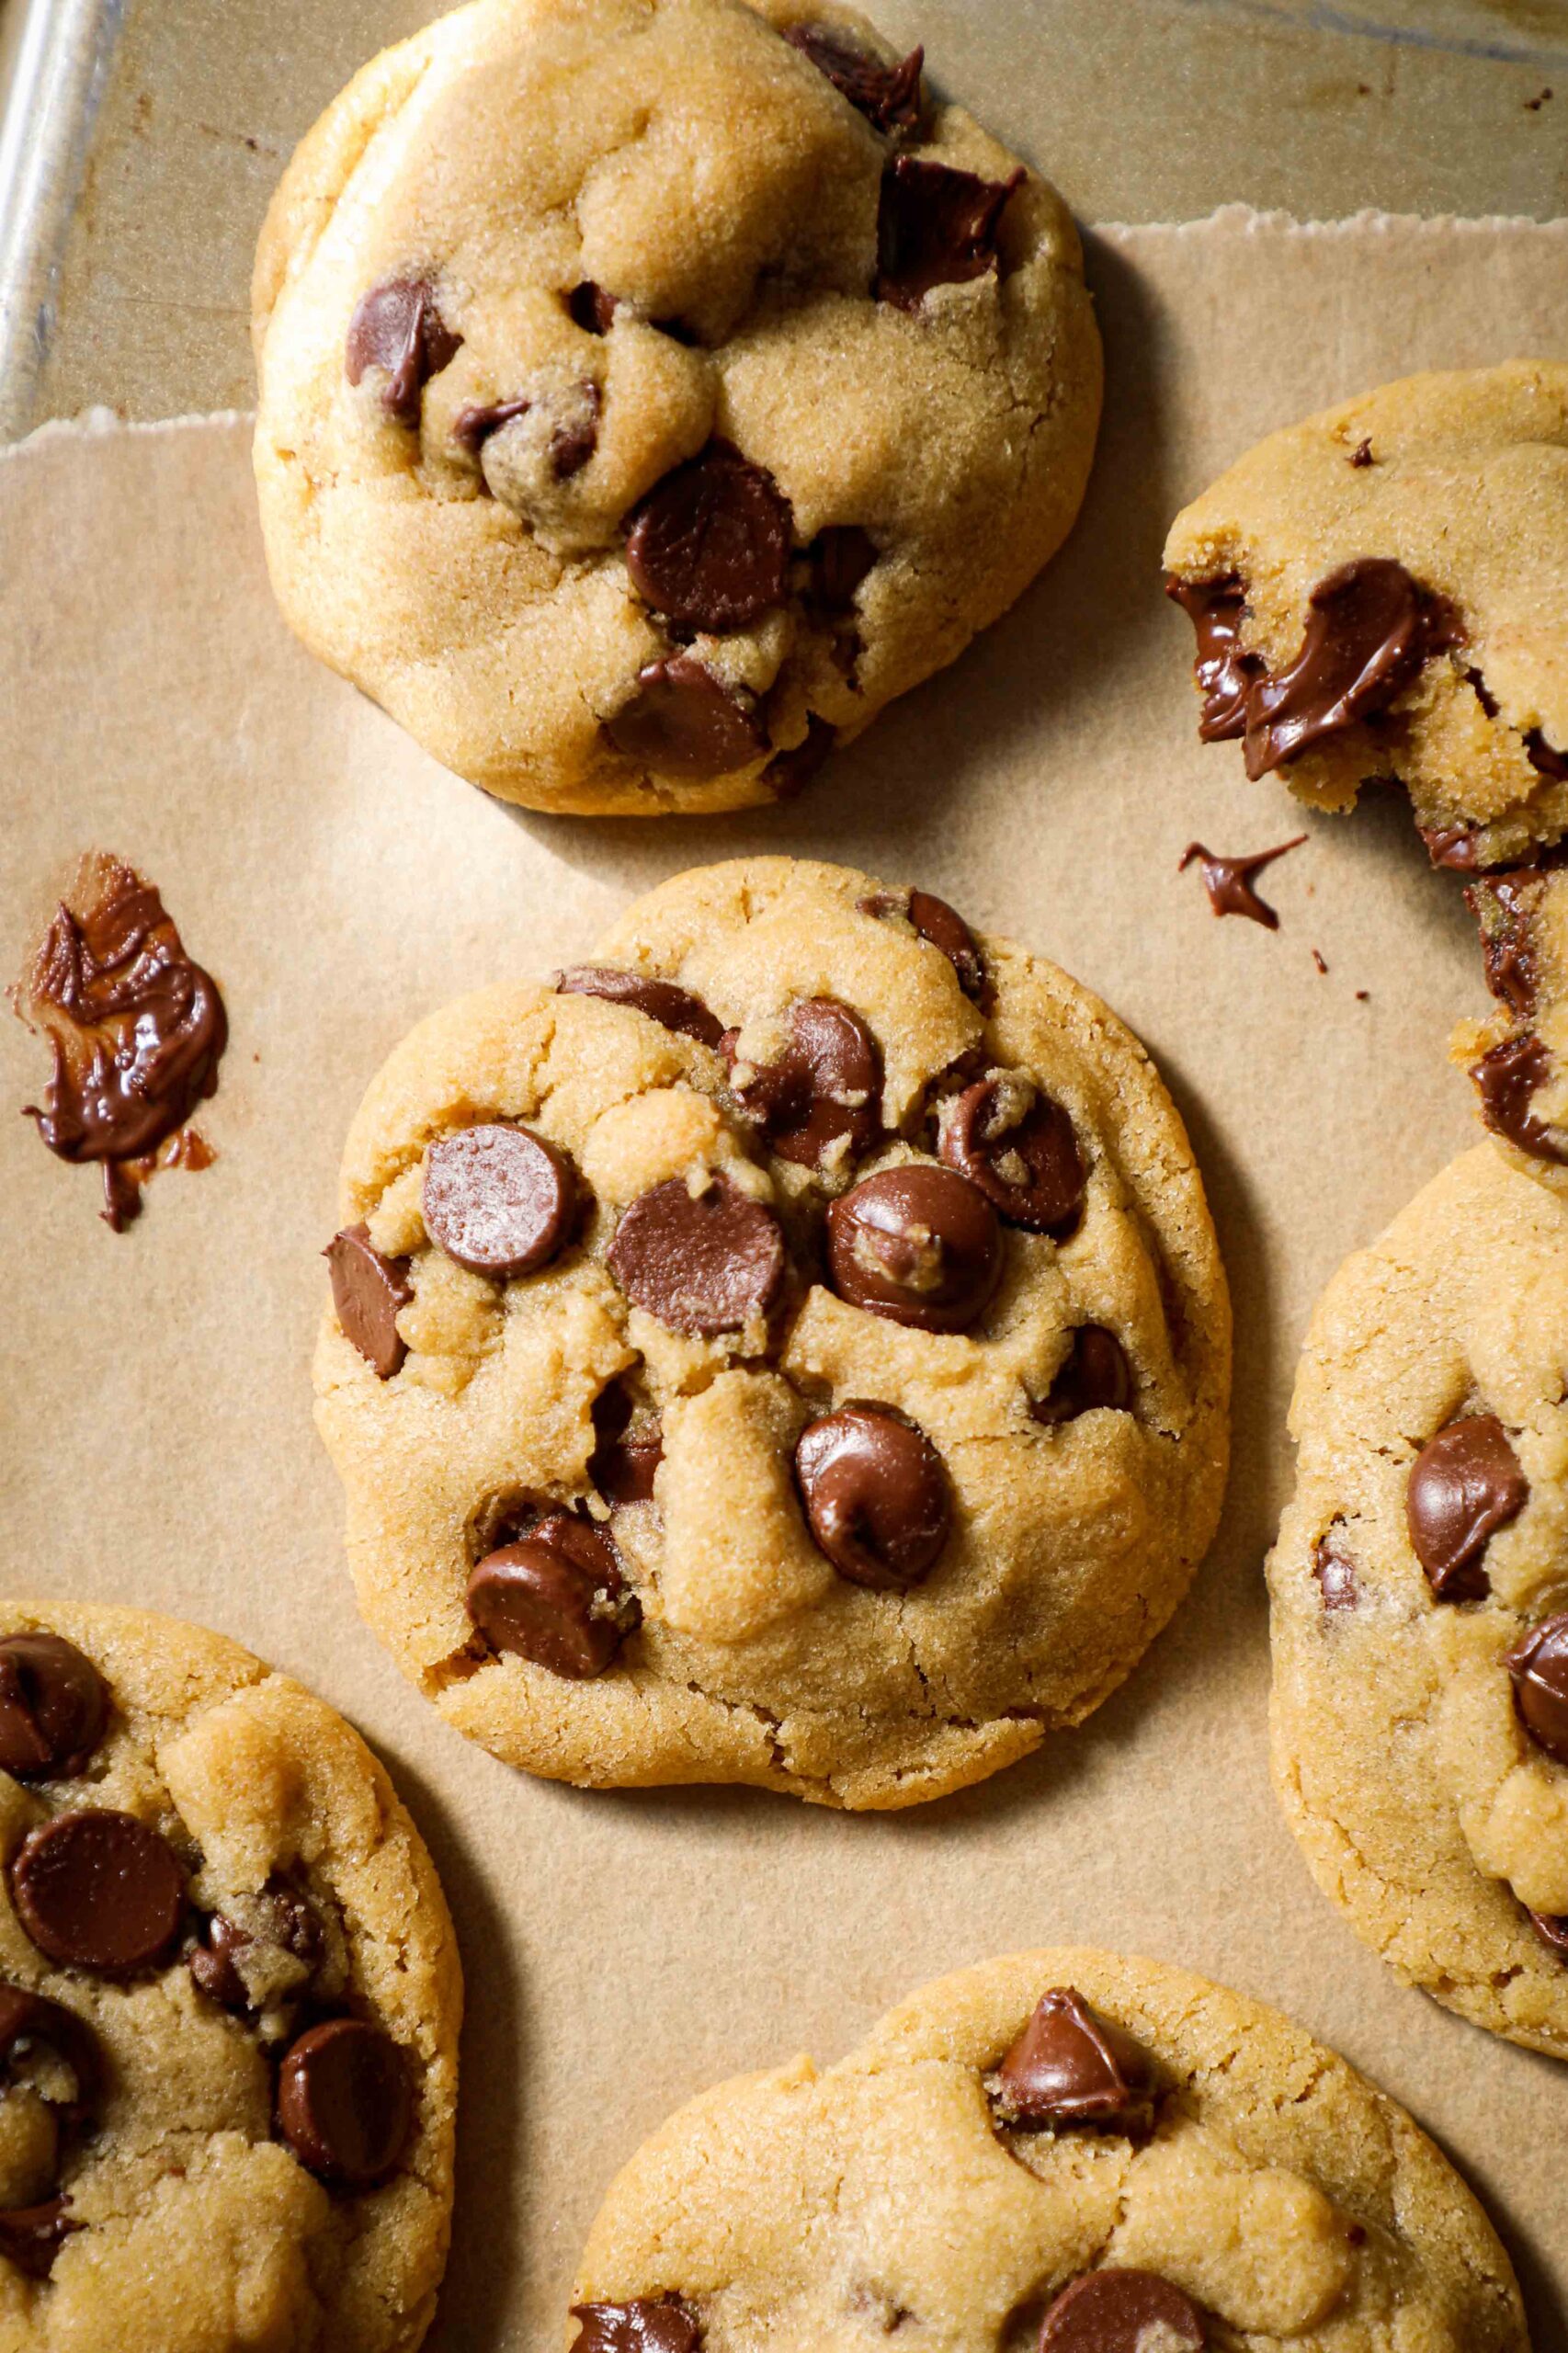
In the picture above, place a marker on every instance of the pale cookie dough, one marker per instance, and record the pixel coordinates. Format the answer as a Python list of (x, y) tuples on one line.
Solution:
[(1420, 1709), (229, 2006), (651, 389), (1381, 592), (1068, 2151), (1519, 1060), (765, 1443)]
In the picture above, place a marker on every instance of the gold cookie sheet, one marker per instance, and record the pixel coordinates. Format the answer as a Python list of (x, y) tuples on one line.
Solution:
[(624, 1951)]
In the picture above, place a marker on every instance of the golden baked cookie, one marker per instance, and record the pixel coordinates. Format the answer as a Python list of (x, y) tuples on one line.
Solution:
[(651, 389), (1065, 2151), (1420, 1600), (1382, 593), (229, 2006), (792, 1348)]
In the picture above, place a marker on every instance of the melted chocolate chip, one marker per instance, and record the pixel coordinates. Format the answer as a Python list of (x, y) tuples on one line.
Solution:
[(1506, 906), (1122, 2312), (888, 95), (591, 307), (1464, 1484), (1538, 1665), (366, 1292), (840, 557), (98, 1890), (936, 227), (556, 1596), (1506, 1079), (627, 1450), (1553, 1932), (1095, 1375), (1224, 674), (398, 326), (53, 1707), (1544, 757), (1020, 1149), (1369, 629), (709, 547), (498, 1200), (573, 441), (825, 1086), (788, 774), (646, 2325), (1453, 846), (683, 721), (289, 1923), (705, 1264), (919, 1244), (135, 1030), (663, 1001), (1071, 2067), (875, 1495), (474, 423), (27, 2020), (1228, 881), (1334, 1569), (945, 928), (31, 2236), (345, 2103)]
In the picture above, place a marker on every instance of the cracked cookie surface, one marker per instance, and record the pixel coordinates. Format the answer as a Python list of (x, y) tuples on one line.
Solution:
[(1380, 592), (229, 2006), (1418, 1590), (653, 390), (867, 1416), (1064, 2150)]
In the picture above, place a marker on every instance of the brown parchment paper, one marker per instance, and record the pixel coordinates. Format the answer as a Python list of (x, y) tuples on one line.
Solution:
[(623, 1950)]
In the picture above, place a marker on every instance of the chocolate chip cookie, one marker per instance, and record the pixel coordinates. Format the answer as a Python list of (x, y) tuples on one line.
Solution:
[(229, 2006), (651, 389), (790, 1348), (1382, 593), (1420, 1600), (1519, 1060), (1064, 2151)]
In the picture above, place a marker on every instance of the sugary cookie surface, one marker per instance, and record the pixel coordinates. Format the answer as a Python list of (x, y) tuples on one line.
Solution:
[(1420, 1598), (793, 1349), (229, 2006), (1381, 592), (651, 390), (1059, 2153)]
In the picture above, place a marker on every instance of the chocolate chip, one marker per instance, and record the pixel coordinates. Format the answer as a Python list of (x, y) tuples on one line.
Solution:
[(572, 443), (1544, 757), (1553, 1932), (1224, 674), (888, 95), (840, 557), (99, 1891), (1453, 846), (1070, 2066), (288, 1922), (1369, 629), (556, 1596), (945, 928), (709, 547), (27, 2020), (398, 326), (1096, 1374), (1464, 1484), (683, 721), (1020, 1149), (647, 2325), (367, 1290), (31, 2236), (825, 1086), (1122, 2312), (1538, 1665), (1334, 1569), (876, 1496), (1505, 907), (53, 1707), (1506, 1079), (919, 1244), (591, 307), (345, 2105), (704, 1265), (1228, 881), (788, 774), (476, 421), (662, 1001), (627, 1452), (498, 1200), (935, 227)]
